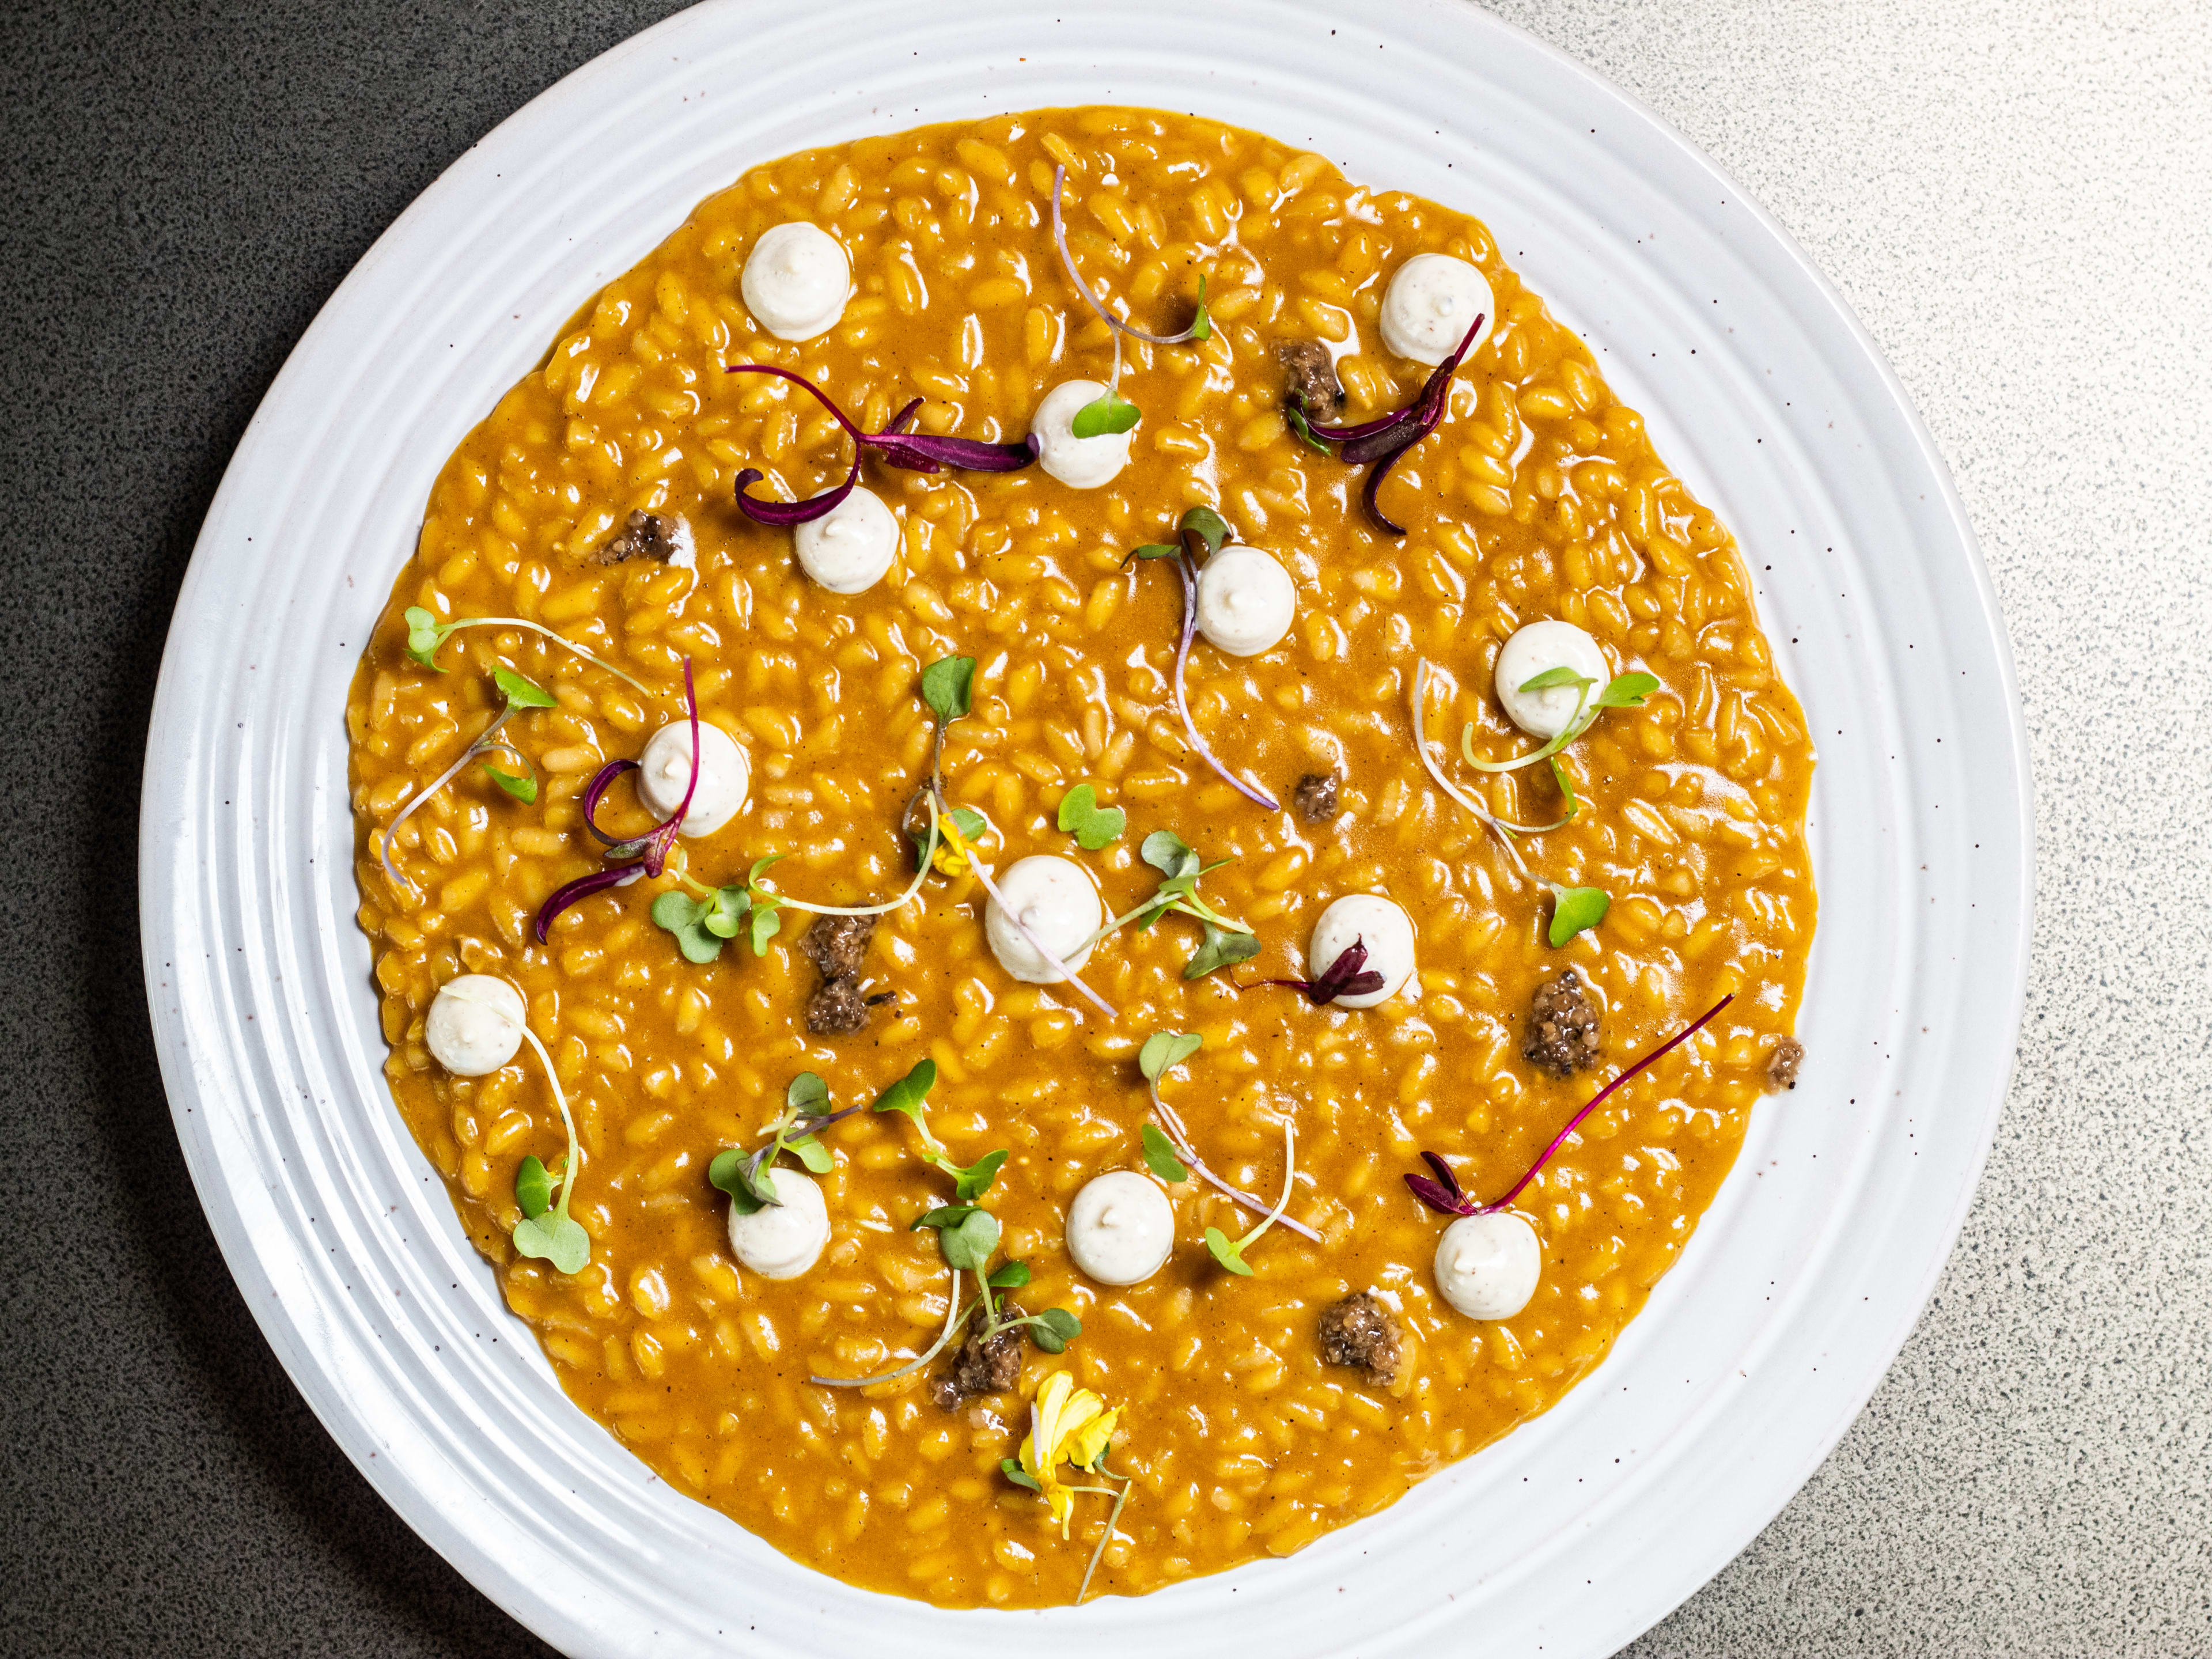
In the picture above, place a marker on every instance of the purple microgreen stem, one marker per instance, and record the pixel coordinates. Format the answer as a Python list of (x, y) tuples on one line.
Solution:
[(1200, 328), (1172, 1125), (1385, 441), (1068, 974), (425, 634), (1445, 1194), (915, 452)]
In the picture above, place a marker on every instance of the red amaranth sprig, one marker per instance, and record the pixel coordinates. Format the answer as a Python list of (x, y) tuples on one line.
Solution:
[(1384, 441)]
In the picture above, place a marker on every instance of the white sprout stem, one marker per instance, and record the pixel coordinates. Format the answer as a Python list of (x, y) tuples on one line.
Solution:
[(568, 1123), (899, 904), (1067, 261), (1176, 1131), (1503, 830), (482, 742), (1575, 725), (559, 640), (952, 1324), (1290, 1175), (1035, 944), (1112, 1523), (1251, 791)]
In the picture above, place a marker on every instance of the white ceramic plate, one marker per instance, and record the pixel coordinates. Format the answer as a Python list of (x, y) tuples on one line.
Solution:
[(1575, 1532)]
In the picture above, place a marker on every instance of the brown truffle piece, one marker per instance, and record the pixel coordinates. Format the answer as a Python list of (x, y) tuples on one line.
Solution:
[(981, 1366), (1563, 1026), (647, 536), (1315, 797), (1360, 1331), (837, 1009), (1312, 373), (836, 944), (1782, 1069)]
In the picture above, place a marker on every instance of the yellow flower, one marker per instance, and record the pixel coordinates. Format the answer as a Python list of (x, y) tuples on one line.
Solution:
[(953, 851), (1073, 1427)]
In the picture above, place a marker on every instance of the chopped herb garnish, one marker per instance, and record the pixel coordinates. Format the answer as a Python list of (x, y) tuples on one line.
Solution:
[(546, 1232), (516, 695), (1163, 1052), (744, 1175), (1384, 442), (1225, 941), (1229, 1252), (425, 634), (1200, 530), (1443, 1194), (1093, 826), (915, 452)]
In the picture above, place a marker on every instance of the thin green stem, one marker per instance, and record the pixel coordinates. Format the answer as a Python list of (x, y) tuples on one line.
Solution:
[(445, 630)]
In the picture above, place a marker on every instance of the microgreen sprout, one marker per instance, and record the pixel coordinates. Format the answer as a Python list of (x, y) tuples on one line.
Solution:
[(1443, 1194), (1114, 413), (1505, 829), (546, 1231), (1294, 416), (425, 634), (1200, 531), (744, 1175), (1225, 942), (1230, 1253), (516, 694), (907, 1096), (1622, 691), (1349, 976), (1574, 910), (1163, 1052), (1092, 825), (1384, 442), (1073, 1426), (701, 924), (915, 452)]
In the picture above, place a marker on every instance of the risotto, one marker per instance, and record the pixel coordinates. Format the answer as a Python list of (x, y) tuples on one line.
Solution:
[(1292, 749)]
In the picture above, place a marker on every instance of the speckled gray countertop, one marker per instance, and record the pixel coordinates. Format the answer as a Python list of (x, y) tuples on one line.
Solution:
[(2016, 196)]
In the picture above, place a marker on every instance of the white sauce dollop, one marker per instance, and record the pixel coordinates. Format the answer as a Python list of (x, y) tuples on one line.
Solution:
[(797, 281), (475, 1024), (849, 548), (1385, 929), (665, 768), (782, 1241), (1433, 299), (1537, 649), (1078, 463), (1487, 1265), (1120, 1228), (1057, 901), (1246, 601)]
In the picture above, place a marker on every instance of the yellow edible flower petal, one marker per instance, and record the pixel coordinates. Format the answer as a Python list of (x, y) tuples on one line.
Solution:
[(1088, 1443), (1071, 1425)]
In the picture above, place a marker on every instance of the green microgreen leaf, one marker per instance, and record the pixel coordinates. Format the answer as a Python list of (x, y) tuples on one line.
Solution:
[(555, 1238), (1010, 1276), (523, 789), (1294, 413), (945, 1215), (1053, 1329), (424, 636), (1628, 690), (723, 916), (1575, 909), (1169, 853), (1201, 326), (1229, 1252), (1165, 1050), (1566, 788), (737, 1172), (683, 916), (1093, 826), (766, 920), (947, 686), (812, 1153), (1562, 675), (520, 692), (1223, 946), (968, 1243), (533, 1186), (1108, 413), (1160, 1156), (908, 1094), (1020, 1476), (807, 1093), (1154, 550), (975, 1180), (1210, 525)]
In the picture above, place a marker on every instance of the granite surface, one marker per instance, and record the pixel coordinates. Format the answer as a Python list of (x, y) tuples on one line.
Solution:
[(2017, 197)]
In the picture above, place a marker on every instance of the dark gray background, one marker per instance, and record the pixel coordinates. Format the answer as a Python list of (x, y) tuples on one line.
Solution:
[(2016, 195)]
